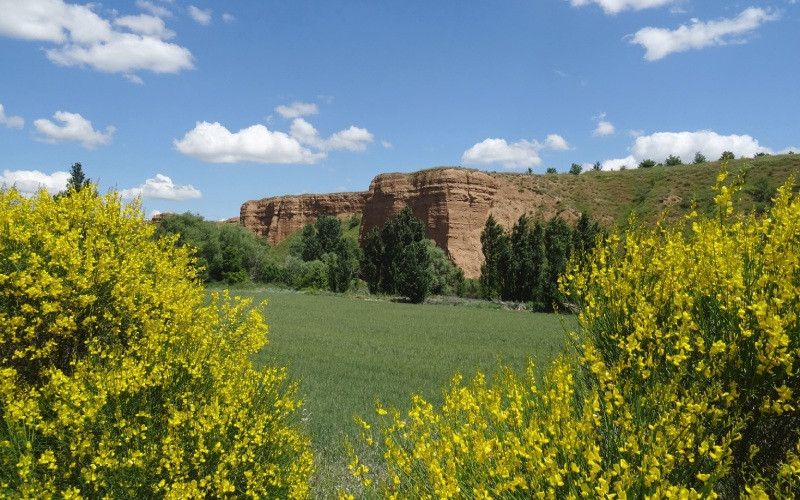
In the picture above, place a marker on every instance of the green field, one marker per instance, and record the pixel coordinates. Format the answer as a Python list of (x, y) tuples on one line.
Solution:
[(346, 352)]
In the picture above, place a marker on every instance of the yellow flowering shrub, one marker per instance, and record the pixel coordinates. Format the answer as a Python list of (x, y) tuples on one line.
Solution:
[(116, 380), (682, 382)]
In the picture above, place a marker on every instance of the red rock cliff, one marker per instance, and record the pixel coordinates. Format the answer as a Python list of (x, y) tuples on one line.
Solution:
[(278, 217), (455, 203)]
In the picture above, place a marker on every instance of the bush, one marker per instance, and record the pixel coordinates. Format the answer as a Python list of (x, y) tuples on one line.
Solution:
[(647, 163), (116, 380), (225, 253), (682, 382)]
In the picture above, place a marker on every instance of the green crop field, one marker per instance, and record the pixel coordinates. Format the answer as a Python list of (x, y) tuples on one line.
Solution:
[(347, 352)]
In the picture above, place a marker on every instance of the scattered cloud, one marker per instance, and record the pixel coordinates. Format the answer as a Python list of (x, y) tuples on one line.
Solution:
[(659, 42), (214, 143), (302, 145), (297, 109), (29, 182), (161, 188), (144, 24), (522, 154), (133, 78), (74, 128), (660, 145), (200, 16), (387, 145), (604, 127), (617, 6), (228, 18), (352, 139), (156, 10), (11, 121), (83, 38)]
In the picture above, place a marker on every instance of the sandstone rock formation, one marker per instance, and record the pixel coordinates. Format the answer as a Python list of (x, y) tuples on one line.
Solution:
[(278, 217), (454, 203)]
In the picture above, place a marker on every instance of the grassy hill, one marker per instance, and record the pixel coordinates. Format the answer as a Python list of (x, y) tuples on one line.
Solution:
[(610, 197)]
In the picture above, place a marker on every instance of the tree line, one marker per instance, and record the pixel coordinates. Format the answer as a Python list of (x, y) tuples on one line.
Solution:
[(525, 264)]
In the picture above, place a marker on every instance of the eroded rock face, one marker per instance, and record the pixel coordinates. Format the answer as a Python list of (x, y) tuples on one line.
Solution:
[(278, 217), (454, 203)]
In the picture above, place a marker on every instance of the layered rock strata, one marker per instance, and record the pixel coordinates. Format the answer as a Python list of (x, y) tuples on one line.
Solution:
[(454, 203), (278, 217)]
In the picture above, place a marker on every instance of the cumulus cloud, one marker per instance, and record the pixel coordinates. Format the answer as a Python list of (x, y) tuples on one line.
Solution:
[(83, 38), (604, 127), (522, 154), (29, 182), (200, 16), (660, 145), (297, 109), (659, 42), (617, 6), (156, 10), (145, 25), (74, 128), (10, 121), (228, 18), (387, 145), (301, 145), (352, 139), (161, 188), (214, 143), (555, 141)]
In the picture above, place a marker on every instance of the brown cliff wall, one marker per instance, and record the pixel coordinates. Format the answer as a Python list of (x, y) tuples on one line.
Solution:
[(455, 203), (278, 217)]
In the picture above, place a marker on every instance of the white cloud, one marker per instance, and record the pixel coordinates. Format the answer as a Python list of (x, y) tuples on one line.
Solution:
[(144, 24), (200, 16), (133, 78), (617, 6), (352, 139), (161, 188), (659, 146), (387, 145), (604, 127), (228, 18), (11, 121), (555, 141), (522, 154), (156, 10), (29, 182), (83, 38), (660, 42), (74, 128), (297, 109), (515, 155), (214, 143)]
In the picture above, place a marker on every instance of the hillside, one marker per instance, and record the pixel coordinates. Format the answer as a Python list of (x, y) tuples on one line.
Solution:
[(455, 202), (610, 197)]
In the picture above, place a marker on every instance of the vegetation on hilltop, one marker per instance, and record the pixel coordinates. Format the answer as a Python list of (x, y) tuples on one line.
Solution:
[(612, 196)]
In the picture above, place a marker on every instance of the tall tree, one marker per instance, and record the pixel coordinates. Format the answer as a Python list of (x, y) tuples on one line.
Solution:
[(496, 258), (558, 239), (393, 262), (520, 281)]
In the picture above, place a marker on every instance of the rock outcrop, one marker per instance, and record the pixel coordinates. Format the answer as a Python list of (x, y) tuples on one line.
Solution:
[(278, 217), (454, 203)]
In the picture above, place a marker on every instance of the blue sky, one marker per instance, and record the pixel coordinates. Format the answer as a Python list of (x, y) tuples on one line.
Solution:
[(199, 106)]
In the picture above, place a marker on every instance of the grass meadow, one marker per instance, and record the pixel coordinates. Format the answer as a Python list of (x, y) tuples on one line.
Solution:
[(348, 352)]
